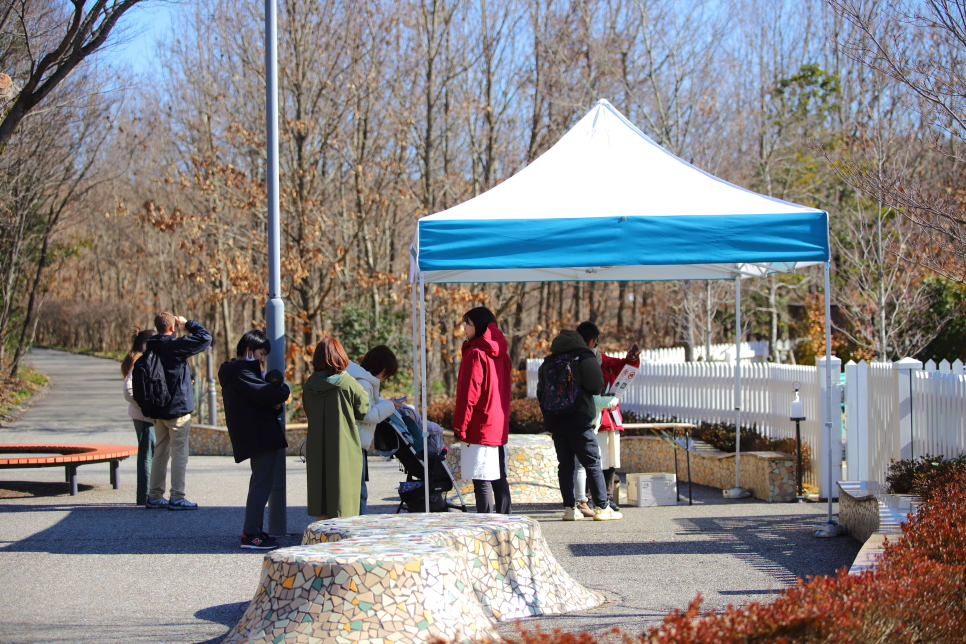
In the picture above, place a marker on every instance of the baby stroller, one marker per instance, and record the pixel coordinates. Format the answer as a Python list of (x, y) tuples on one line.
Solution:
[(400, 436)]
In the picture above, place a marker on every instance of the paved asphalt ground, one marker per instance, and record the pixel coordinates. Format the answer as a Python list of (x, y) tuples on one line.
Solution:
[(97, 568)]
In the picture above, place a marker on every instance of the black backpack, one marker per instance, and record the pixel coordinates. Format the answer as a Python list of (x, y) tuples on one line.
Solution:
[(149, 387), (561, 391)]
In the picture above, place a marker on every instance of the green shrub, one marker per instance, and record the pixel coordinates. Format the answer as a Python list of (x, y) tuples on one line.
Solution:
[(440, 411), (915, 476), (916, 593), (721, 436), (525, 415)]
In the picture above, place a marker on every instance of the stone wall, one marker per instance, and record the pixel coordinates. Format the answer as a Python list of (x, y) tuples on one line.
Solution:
[(206, 440), (769, 475)]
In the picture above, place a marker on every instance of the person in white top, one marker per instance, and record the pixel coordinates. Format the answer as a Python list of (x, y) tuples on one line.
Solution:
[(377, 365), (143, 426)]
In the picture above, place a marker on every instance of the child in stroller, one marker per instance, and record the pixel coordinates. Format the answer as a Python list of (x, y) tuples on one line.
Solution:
[(401, 436)]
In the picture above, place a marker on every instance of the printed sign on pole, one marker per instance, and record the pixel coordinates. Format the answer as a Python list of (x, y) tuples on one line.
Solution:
[(624, 378)]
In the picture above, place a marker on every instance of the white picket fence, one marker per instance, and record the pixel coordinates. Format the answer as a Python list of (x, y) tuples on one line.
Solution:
[(757, 350), (701, 391), (893, 411), (902, 410)]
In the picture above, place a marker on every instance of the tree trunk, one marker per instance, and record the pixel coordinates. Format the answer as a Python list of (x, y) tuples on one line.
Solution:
[(32, 305)]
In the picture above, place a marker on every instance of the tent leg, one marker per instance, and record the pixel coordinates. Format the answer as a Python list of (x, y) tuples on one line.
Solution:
[(831, 527), (422, 384), (737, 492), (415, 336), (737, 382)]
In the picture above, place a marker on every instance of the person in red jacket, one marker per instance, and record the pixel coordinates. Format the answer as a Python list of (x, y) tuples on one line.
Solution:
[(481, 417), (611, 423)]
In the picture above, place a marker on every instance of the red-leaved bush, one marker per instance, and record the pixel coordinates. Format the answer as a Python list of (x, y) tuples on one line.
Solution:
[(916, 593)]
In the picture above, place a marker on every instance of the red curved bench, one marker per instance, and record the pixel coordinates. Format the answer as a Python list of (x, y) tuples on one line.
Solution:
[(69, 456)]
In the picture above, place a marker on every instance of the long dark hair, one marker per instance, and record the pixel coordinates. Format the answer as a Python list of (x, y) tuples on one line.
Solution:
[(480, 317), (138, 344)]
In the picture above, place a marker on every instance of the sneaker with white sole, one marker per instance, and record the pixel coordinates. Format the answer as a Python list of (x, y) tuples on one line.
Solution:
[(607, 513), (258, 542), (572, 514), (182, 504), (156, 504), (585, 509)]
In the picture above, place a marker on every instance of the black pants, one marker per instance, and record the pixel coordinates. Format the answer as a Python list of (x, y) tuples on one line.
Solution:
[(493, 497), (578, 443), (259, 489), (609, 475)]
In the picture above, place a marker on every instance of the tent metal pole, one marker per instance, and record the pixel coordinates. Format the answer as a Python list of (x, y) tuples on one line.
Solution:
[(737, 381), (415, 338), (828, 382), (422, 383)]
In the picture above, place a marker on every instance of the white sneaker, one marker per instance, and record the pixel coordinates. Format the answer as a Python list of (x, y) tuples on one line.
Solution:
[(572, 514), (606, 514)]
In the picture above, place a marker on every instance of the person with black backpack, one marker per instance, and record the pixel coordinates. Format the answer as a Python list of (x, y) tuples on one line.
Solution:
[(162, 388), (567, 381)]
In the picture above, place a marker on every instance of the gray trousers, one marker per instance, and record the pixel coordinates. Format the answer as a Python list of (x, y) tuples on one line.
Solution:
[(259, 489)]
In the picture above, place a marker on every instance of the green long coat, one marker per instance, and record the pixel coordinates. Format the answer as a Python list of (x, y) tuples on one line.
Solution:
[(333, 452)]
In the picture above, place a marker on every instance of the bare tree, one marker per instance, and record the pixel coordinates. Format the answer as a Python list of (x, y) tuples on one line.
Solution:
[(921, 48), (50, 42)]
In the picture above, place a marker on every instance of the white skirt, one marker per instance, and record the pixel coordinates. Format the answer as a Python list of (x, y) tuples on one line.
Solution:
[(609, 444), (481, 462)]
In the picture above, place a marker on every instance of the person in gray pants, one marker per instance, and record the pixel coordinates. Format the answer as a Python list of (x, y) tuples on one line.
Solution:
[(253, 409)]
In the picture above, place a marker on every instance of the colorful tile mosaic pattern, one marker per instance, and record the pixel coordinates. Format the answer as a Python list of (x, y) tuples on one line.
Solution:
[(409, 578), (532, 471)]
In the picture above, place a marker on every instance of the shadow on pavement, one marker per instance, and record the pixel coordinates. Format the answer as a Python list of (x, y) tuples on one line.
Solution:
[(133, 530), (771, 544), (29, 489), (226, 614)]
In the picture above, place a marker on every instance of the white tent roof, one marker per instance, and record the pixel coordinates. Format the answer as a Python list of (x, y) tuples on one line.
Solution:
[(607, 203)]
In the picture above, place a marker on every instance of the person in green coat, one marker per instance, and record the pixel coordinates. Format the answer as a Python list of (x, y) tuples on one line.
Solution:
[(334, 401)]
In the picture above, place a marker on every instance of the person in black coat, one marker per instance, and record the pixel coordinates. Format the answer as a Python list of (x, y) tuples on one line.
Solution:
[(253, 409)]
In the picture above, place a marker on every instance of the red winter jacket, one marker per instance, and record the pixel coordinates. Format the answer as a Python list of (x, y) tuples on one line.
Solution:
[(611, 419), (482, 413)]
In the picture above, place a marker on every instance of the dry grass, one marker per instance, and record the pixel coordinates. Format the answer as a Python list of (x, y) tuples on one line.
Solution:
[(14, 391)]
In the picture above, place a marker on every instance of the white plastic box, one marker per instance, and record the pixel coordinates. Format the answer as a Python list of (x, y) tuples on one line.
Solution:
[(649, 489)]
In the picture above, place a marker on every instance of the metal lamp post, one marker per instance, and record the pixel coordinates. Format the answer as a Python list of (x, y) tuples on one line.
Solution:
[(798, 415), (274, 307)]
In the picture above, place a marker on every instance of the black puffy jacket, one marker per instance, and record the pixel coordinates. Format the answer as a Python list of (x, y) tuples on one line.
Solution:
[(174, 353), (254, 425)]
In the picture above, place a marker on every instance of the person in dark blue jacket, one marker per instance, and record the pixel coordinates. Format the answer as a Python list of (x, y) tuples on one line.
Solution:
[(173, 423), (253, 409)]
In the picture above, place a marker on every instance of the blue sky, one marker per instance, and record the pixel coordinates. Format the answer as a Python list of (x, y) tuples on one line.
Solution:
[(142, 27)]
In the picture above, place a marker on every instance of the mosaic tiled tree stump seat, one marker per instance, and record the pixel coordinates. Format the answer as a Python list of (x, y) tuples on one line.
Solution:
[(408, 579), (532, 471)]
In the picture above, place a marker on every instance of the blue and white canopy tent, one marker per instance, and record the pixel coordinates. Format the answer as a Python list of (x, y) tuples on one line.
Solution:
[(608, 203)]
